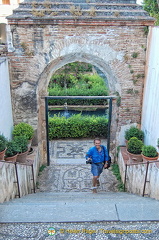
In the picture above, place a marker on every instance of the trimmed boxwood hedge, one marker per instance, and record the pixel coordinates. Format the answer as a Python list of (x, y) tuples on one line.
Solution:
[(78, 92), (77, 126)]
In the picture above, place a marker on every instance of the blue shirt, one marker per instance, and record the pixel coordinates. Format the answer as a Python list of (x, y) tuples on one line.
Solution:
[(96, 156)]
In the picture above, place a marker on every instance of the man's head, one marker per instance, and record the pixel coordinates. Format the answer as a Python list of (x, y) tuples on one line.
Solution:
[(97, 142)]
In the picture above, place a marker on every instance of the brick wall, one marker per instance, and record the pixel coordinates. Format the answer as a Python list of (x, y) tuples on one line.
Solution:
[(119, 51)]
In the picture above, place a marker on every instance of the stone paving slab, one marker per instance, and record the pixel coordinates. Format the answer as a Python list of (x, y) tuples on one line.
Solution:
[(138, 211), (78, 207), (59, 212)]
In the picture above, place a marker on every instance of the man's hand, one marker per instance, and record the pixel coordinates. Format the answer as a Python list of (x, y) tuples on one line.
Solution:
[(105, 165)]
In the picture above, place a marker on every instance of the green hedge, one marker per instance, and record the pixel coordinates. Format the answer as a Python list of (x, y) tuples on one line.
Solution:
[(87, 85), (77, 126), (78, 92)]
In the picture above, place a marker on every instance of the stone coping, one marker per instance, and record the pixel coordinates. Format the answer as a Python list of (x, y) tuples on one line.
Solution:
[(82, 10)]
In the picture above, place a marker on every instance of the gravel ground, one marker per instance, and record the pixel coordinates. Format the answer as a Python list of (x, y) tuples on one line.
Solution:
[(80, 231)]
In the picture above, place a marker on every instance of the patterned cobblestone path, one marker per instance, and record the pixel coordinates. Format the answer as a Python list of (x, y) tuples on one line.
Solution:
[(68, 170)]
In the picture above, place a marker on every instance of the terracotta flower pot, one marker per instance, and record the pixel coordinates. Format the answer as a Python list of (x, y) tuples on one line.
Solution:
[(22, 157), (2, 154), (135, 157), (145, 159), (29, 143), (11, 159)]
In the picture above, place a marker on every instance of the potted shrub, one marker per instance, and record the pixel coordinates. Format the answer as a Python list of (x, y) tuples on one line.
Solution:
[(11, 151), (3, 145), (134, 132), (24, 129), (149, 153), (134, 149), (22, 144)]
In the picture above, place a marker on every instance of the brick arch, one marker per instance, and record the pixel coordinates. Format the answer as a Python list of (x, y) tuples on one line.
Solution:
[(76, 57), (44, 81)]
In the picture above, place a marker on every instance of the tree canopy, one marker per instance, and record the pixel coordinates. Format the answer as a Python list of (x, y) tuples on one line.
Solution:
[(152, 7)]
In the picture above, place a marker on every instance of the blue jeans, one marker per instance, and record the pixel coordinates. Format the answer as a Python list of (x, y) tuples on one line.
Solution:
[(97, 168)]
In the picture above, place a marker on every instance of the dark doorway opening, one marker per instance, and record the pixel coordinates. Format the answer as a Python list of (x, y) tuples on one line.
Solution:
[(109, 98)]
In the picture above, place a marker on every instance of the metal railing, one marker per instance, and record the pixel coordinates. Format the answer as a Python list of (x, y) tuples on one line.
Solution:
[(17, 177), (145, 180)]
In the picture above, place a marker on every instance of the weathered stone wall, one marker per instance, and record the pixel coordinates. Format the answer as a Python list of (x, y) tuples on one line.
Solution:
[(119, 51), (6, 119), (8, 187), (136, 177)]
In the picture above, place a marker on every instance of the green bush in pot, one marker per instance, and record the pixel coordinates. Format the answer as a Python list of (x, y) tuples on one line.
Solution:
[(149, 151), (12, 149), (22, 143), (134, 146), (3, 143), (134, 132), (23, 129)]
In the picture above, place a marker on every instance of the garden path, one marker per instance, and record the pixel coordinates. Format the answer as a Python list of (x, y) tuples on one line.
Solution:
[(69, 172)]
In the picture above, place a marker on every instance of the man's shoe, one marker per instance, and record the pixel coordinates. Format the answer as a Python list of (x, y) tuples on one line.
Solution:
[(98, 183), (94, 189)]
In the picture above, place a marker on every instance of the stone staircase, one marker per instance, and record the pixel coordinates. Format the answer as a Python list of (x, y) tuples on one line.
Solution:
[(72, 207), (64, 195)]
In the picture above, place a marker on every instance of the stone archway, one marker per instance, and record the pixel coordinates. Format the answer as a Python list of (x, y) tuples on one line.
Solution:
[(44, 81), (46, 36)]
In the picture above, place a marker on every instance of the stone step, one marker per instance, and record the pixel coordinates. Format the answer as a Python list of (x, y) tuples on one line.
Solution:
[(51, 197), (78, 207)]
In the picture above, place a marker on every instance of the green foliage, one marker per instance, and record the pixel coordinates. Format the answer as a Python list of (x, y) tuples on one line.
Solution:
[(12, 149), (149, 151), (42, 168), (135, 145), (73, 80), (77, 126), (21, 143), (146, 30), (23, 129), (3, 143), (78, 92), (152, 7), (116, 172), (134, 132), (135, 55), (118, 101), (62, 80), (70, 74)]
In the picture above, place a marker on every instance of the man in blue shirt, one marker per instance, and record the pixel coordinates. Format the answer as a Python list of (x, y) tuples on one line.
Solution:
[(99, 156)]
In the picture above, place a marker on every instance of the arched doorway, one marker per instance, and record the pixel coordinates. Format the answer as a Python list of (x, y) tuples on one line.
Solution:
[(44, 81)]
